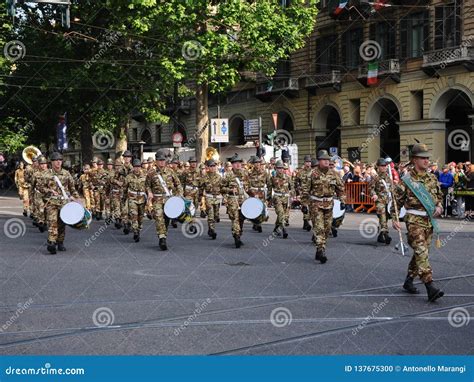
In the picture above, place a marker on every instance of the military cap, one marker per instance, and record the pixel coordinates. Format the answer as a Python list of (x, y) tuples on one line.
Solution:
[(100, 161), (118, 162), (228, 164), (137, 163), (323, 154), (314, 162), (127, 153), (110, 161), (94, 160), (420, 150), (42, 160), (279, 164), (381, 162), (192, 160), (210, 163), (175, 160), (150, 160), (236, 159), (160, 155), (307, 158), (56, 156)]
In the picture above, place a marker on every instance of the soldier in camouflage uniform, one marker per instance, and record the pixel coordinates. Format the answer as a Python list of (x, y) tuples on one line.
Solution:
[(56, 200), (321, 188), (161, 183), (124, 171), (38, 184), (418, 223), (190, 181), (110, 175), (280, 188), (380, 190), (233, 186), (301, 180), (135, 189), (258, 185), (210, 188), (29, 174), (86, 186), (116, 193), (99, 184), (22, 187)]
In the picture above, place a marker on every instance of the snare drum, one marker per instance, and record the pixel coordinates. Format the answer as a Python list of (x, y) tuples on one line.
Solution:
[(75, 215), (254, 210), (337, 214), (180, 209)]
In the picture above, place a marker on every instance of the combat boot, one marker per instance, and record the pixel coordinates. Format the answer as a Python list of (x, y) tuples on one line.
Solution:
[(42, 227), (388, 239), (259, 228), (285, 234), (213, 234), (25, 213), (334, 231), (118, 224), (381, 238), (218, 220), (409, 287), (313, 239), (287, 223), (320, 256), (237, 241), (306, 225), (433, 292), (126, 229), (173, 223), (136, 237), (162, 244), (61, 246), (277, 231), (51, 247)]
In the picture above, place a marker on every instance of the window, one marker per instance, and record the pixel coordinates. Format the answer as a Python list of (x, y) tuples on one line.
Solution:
[(414, 35), (351, 41), (354, 109), (326, 53), (448, 25), (385, 34), (158, 133)]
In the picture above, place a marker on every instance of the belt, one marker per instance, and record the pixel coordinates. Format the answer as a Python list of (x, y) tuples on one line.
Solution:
[(115, 190), (280, 194), (417, 212), (213, 196), (191, 187), (159, 195), (257, 188), (324, 199), (137, 193)]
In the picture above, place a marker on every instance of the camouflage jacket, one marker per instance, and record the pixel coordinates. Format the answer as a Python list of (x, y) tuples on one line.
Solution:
[(39, 181), (99, 179), (234, 183), (303, 177), (135, 185), (20, 177), (190, 178), (377, 187), (406, 198), (53, 192), (153, 182), (325, 184), (85, 181), (280, 183), (258, 179), (210, 183)]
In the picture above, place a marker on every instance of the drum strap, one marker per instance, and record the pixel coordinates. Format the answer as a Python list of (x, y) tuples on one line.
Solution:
[(60, 185), (239, 182), (163, 184), (388, 190)]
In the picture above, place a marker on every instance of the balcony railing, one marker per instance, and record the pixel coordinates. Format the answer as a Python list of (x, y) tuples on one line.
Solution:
[(332, 78), (447, 56), (386, 67), (277, 86)]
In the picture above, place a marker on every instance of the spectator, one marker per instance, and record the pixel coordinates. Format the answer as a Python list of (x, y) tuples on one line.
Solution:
[(460, 182), (446, 180), (470, 187), (348, 176)]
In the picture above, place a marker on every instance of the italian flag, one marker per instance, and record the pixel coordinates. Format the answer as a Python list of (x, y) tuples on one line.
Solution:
[(373, 70), (340, 7)]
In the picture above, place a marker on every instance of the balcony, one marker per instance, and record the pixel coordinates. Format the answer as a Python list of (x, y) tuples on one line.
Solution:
[(323, 80), (387, 69), (287, 86), (442, 58)]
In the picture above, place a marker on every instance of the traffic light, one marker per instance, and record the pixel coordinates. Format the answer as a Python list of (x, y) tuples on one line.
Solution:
[(11, 7), (268, 139)]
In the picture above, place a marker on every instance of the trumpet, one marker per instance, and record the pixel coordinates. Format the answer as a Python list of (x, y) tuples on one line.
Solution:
[(29, 153)]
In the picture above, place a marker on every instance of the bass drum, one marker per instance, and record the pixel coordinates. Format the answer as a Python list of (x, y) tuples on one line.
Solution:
[(75, 215), (254, 210), (337, 214), (180, 209)]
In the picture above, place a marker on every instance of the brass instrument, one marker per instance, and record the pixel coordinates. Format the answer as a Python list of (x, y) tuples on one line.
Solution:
[(211, 153), (29, 153)]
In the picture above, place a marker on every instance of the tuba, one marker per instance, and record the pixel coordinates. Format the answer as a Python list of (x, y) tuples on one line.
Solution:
[(211, 153), (29, 153)]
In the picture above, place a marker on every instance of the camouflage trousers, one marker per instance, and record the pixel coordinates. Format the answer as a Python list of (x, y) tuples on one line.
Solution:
[(280, 203), (32, 203), (192, 195), (56, 227), (124, 210), (136, 210), (116, 204), (99, 200), (40, 204), (212, 210), (23, 192), (322, 220), (161, 220), (235, 216), (419, 239), (305, 208), (88, 198), (381, 209)]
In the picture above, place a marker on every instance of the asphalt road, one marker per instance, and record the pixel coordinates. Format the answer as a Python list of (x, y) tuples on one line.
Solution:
[(109, 295)]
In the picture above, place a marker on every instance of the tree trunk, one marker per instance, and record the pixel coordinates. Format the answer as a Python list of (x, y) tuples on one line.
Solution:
[(86, 139), (202, 119), (121, 136)]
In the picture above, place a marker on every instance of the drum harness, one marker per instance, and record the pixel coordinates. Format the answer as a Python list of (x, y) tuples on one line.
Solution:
[(163, 184), (60, 185)]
